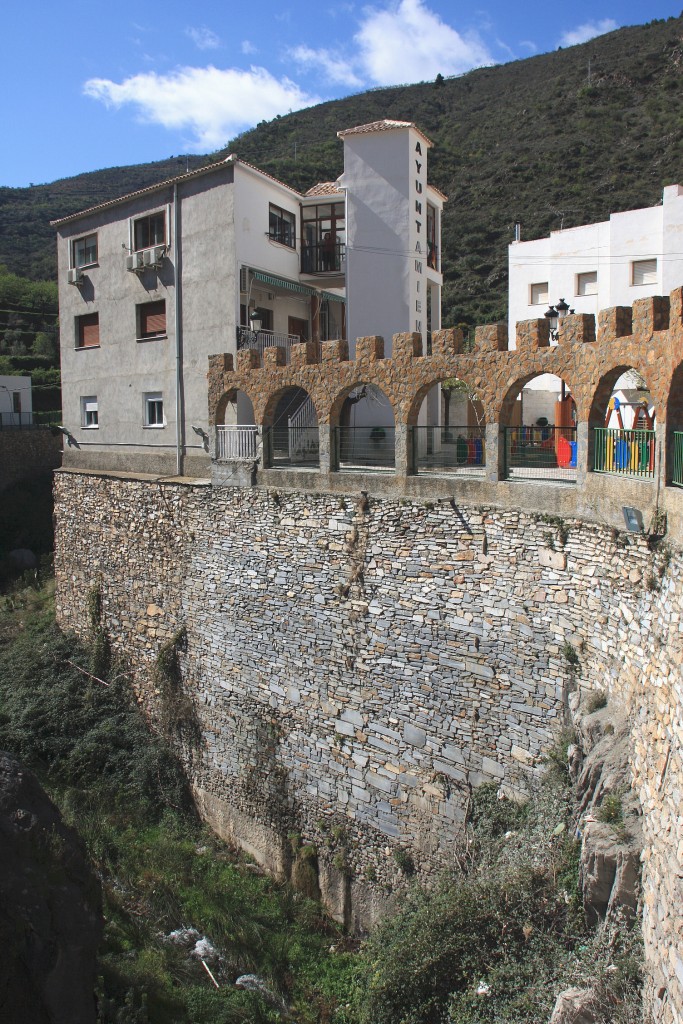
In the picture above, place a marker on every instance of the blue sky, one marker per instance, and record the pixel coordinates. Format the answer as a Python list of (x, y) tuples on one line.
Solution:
[(86, 85)]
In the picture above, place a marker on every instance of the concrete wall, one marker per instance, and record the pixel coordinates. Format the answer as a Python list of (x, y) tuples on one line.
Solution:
[(122, 369), (25, 454), (385, 178), (9, 385), (357, 665)]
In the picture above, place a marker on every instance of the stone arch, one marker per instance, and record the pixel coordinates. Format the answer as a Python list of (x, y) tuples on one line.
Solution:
[(290, 428), (629, 415), (446, 427), (416, 403), (342, 396), (538, 424), (235, 406), (363, 427)]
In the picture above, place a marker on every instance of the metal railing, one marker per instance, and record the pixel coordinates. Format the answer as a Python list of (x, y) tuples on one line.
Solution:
[(364, 447), (542, 453), (261, 340), (625, 452), (292, 446), (323, 259), (235, 443), (677, 475), (29, 420), (449, 449)]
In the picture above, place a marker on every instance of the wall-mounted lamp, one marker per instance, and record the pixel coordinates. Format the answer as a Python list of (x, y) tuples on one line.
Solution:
[(633, 519), (555, 315), (255, 321)]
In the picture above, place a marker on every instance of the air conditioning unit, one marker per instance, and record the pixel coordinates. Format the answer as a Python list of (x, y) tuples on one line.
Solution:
[(75, 276), (244, 279), (134, 262), (153, 257)]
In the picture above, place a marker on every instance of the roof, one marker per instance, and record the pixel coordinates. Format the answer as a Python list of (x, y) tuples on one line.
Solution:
[(231, 159), (325, 188), (383, 126)]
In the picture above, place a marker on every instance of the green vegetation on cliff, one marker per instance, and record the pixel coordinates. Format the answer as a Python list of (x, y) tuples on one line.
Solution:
[(558, 140), (494, 940)]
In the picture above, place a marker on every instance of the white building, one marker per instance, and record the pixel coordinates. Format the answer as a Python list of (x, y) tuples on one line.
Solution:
[(16, 408), (630, 256), (153, 283)]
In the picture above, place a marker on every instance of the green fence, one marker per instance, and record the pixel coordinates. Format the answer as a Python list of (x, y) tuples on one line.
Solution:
[(677, 476), (625, 452)]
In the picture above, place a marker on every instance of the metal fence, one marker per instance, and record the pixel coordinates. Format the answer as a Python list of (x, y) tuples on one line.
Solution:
[(235, 443), (364, 447), (293, 446), (542, 453), (449, 449), (677, 475), (29, 420), (625, 452), (323, 257)]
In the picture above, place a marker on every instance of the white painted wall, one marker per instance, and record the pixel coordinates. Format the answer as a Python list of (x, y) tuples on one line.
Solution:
[(9, 386), (609, 248)]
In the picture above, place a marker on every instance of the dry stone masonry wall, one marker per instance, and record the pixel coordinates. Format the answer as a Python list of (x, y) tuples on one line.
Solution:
[(357, 664)]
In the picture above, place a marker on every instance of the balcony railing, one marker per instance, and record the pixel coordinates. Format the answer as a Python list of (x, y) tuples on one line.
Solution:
[(29, 420), (625, 452), (677, 475), (260, 340), (235, 443), (449, 449), (322, 258), (364, 447), (545, 453)]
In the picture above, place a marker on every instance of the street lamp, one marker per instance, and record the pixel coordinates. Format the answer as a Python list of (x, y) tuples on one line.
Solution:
[(555, 315)]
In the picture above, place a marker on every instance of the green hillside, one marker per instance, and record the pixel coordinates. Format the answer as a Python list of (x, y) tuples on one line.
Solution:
[(560, 139)]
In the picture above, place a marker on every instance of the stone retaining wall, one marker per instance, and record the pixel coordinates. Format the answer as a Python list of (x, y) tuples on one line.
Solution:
[(27, 453), (358, 664)]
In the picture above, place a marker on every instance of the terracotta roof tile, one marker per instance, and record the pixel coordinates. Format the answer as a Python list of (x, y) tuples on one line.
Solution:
[(382, 126), (325, 188)]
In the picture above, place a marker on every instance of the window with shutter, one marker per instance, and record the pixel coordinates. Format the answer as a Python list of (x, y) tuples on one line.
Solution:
[(88, 330), (152, 319), (644, 272), (89, 412), (538, 293), (587, 283)]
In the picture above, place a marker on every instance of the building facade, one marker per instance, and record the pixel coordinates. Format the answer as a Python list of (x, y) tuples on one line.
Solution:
[(631, 256), (227, 257)]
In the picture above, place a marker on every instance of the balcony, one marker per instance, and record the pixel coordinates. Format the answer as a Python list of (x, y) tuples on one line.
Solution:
[(260, 340), (323, 258)]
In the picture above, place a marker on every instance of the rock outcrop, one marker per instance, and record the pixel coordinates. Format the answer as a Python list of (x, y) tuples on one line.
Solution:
[(50, 909)]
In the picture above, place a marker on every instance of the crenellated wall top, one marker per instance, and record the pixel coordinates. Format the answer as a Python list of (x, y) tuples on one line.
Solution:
[(647, 337)]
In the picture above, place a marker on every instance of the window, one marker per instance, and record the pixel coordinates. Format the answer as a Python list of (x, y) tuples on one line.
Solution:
[(149, 231), (151, 320), (16, 402), (84, 251), (644, 272), (538, 293), (88, 330), (89, 412), (323, 237), (282, 226), (153, 411), (587, 284)]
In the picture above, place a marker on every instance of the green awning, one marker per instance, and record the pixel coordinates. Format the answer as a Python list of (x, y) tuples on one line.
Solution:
[(293, 286), (282, 282)]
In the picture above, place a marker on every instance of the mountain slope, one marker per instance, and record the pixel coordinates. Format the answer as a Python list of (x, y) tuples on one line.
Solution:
[(557, 140)]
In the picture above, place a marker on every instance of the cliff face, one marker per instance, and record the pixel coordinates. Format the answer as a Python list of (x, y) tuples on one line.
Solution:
[(50, 909)]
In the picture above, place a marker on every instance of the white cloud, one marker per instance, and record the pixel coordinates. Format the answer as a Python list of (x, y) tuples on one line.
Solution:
[(410, 43), (588, 31), (213, 104), (335, 68), (203, 38), (529, 45), (248, 48)]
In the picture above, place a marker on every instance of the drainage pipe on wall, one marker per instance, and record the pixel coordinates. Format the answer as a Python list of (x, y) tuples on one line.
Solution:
[(180, 412)]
